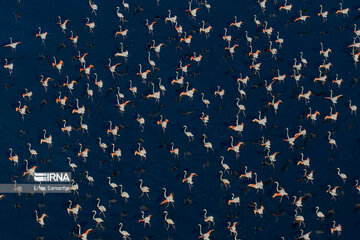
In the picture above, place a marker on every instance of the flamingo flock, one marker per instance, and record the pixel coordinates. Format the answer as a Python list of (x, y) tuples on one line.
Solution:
[(157, 130)]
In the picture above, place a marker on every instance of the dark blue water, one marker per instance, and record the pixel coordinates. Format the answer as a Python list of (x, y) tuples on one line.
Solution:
[(32, 59)]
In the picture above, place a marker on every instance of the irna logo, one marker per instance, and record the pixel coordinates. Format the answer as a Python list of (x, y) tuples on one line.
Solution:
[(52, 177)]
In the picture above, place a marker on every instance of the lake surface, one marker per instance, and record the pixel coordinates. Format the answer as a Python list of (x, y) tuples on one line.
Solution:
[(20, 20)]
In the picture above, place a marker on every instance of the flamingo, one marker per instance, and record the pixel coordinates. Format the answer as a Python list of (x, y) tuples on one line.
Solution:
[(97, 220), (124, 233)]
